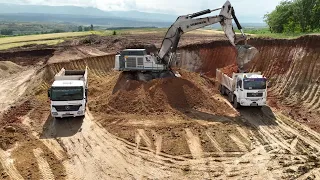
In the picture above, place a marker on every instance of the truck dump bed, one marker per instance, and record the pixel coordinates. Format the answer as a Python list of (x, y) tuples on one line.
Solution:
[(72, 75), (225, 80), (228, 82)]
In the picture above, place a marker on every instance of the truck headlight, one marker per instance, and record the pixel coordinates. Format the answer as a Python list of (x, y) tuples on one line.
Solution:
[(80, 112)]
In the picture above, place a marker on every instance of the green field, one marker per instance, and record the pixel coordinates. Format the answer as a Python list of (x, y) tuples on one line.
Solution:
[(265, 33), (49, 39), (56, 38), (19, 44)]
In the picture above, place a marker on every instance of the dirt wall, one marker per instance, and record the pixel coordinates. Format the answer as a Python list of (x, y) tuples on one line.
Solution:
[(98, 64), (205, 58), (292, 66), (293, 69)]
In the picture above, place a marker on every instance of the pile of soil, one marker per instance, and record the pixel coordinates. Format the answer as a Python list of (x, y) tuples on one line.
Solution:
[(8, 67), (229, 70), (157, 96)]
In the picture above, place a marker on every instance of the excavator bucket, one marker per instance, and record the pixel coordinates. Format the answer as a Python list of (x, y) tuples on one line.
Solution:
[(246, 53)]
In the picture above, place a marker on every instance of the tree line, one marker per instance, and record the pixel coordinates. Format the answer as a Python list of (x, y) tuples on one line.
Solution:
[(295, 16), (27, 29)]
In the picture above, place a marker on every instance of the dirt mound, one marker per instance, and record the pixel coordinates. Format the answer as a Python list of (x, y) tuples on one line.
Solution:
[(8, 67), (157, 96), (229, 70)]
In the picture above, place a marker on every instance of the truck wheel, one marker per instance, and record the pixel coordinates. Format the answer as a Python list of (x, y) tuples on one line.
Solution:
[(236, 105), (222, 91)]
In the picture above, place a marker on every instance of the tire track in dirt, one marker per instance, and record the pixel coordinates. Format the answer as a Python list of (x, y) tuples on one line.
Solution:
[(8, 165), (158, 141), (43, 165), (145, 138), (239, 143), (214, 142), (102, 155), (194, 144)]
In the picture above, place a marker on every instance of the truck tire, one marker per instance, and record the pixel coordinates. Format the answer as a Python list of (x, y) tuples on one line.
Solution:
[(236, 105), (222, 90)]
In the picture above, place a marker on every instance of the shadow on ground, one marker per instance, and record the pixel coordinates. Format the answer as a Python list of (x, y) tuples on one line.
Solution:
[(248, 116), (65, 127)]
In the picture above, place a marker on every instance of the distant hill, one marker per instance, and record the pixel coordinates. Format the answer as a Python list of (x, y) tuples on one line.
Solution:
[(84, 11), (80, 20), (90, 15)]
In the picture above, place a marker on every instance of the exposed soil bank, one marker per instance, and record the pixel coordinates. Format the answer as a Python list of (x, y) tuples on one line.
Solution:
[(292, 67)]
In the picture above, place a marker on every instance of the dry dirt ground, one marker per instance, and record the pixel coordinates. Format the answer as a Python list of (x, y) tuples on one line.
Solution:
[(177, 128)]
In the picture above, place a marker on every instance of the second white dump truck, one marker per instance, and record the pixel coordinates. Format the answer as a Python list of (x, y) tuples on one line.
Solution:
[(243, 89), (68, 93)]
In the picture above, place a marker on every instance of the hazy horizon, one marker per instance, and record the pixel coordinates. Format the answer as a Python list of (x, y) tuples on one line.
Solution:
[(248, 10)]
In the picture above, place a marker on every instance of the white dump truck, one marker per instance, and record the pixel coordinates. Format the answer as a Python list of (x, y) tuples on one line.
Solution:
[(68, 93), (243, 89)]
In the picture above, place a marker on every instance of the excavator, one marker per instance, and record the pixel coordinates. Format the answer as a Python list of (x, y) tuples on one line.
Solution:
[(143, 66)]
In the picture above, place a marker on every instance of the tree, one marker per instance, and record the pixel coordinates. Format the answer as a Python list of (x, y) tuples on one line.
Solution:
[(80, 28), (86, 28), (91, 27), (114, 33), (294, 16), (6, 31)]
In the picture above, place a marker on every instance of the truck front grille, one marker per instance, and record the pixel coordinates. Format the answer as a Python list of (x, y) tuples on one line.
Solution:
[(67, 108), (254, 94), (140, 61), (131, 62)]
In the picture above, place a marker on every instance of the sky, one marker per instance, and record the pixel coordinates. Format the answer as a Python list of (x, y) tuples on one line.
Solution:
[(246, 8)]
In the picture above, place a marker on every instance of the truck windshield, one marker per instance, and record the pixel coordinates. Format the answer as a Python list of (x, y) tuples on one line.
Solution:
[(255, 83), (66, 93)]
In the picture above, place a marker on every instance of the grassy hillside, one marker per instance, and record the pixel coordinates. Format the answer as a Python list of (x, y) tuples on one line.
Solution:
[(49, 39)]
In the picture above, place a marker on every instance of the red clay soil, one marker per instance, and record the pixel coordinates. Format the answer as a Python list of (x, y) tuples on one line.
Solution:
[(12, 116), (212, 55), (158, 96), (229, 70)]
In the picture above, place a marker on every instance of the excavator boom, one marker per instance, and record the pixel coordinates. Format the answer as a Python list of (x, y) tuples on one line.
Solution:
[(189, 22)]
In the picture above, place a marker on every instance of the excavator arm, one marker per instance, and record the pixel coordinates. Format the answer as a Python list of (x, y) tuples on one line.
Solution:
[(188, 23)]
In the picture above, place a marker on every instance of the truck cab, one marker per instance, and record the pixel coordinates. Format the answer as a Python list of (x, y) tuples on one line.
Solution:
[(250, 89), (68, 94), (243, 89)]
